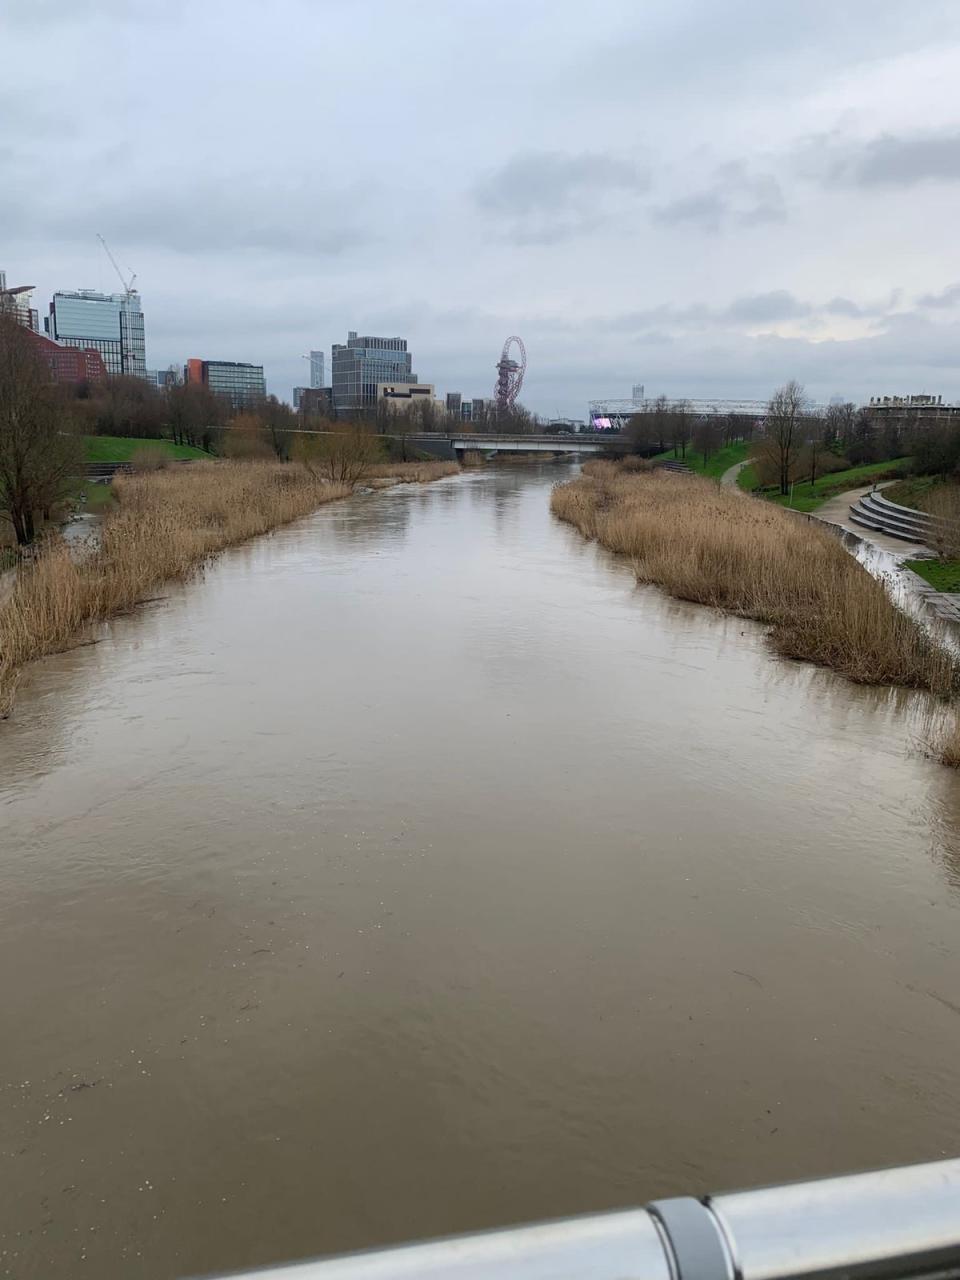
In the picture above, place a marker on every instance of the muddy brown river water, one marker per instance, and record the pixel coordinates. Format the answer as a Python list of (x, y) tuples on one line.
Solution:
[(414, 871)]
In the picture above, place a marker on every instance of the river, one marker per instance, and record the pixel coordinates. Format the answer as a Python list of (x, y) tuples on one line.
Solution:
[(414, 871)]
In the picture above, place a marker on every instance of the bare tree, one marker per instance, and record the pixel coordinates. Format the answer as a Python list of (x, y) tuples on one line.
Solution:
[(40, 450), (786, 412), (707, 436), (642, 432), (815, 445), (838, 426), (342, 457), (679, 420), (246, 437), (279, 421), (125, 406), (193, 413)]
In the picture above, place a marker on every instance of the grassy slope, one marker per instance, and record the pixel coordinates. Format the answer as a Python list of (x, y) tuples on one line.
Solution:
[(97, 498), (716, 464), (807, 497), (915, 491), (122, 448), (942, 574)]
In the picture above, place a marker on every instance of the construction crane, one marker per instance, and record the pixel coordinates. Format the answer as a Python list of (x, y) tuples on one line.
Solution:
[(127, 284)]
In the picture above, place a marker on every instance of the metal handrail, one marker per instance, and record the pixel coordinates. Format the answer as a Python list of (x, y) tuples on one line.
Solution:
[(897, 1224)]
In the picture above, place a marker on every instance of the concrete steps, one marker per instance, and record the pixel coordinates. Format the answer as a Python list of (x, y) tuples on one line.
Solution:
[(874, 511)]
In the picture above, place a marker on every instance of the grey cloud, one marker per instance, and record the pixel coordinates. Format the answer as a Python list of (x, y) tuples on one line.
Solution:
[(543, 180), (767, 308), (750, 47), (734, 196), (907, 161), (746, 312), (543, 197), (212, 218), (843, 307), (887, 161), (47, 13), (706, 210), (760, 214), (949, 297)]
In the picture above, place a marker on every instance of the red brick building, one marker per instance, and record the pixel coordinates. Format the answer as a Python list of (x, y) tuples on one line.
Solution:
[(70, 364)]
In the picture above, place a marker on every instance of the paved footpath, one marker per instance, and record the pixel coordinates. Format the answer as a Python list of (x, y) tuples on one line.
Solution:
[(729, 477), (837, 511)]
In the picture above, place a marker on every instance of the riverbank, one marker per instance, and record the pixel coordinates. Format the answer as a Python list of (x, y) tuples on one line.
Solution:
[(165, 525), (383, 474), (707, 544), (810, 496)]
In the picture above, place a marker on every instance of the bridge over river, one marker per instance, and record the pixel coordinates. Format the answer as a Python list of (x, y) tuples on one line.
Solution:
[(489, 442)]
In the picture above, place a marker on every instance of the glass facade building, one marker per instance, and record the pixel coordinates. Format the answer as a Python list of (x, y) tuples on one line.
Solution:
[(316, 368), (111, 323), (363, 364), (242, 384)]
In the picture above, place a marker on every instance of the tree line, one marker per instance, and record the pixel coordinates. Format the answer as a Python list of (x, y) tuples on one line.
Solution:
[(192, 414), (794, 439)]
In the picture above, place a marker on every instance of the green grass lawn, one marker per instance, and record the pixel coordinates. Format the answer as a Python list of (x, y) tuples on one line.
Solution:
[(807, 497), (715, 465), (122, 448), (942, 574), (914, 491), (97, 498)]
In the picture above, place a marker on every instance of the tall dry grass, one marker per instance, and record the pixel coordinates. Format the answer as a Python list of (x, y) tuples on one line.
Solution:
[(943, 503), (751, 558), (166, 524), (945, 745), (412, 472)]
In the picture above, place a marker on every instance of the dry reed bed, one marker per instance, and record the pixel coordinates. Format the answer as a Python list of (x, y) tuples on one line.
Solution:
[(413, 472), (945, 745), (750, 558), (167, 524)]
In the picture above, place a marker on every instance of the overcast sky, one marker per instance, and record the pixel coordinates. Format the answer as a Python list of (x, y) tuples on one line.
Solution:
[(705, 196)]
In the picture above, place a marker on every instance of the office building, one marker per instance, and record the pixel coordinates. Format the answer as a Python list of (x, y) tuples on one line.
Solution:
[(17, 301), (922, 410), (476, 410), (111, 323), (400, 398), (313, 401), (165, 378), (240, 383), (316, 368), (362, 365), (69, 364), (454, 401)]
